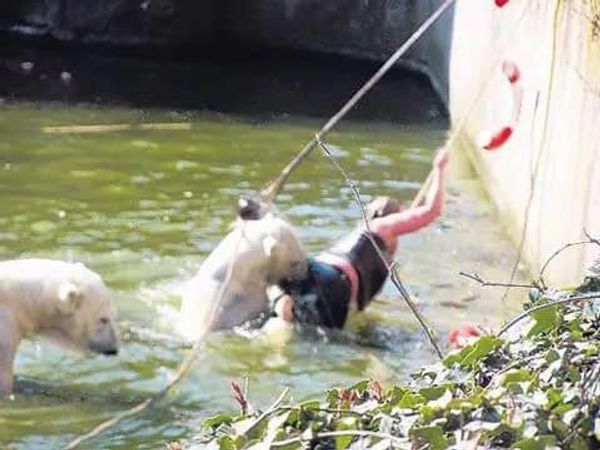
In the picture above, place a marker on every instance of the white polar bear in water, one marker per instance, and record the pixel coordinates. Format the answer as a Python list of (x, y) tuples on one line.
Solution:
[(65, 302), (264, 252)]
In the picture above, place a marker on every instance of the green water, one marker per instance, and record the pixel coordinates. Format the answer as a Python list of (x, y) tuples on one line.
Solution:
[(143, 208)]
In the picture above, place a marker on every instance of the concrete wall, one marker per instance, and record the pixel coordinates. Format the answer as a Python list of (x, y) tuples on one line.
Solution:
[(554, 155)]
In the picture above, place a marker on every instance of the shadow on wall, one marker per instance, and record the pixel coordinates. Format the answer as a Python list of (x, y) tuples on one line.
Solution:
[(211, 32)]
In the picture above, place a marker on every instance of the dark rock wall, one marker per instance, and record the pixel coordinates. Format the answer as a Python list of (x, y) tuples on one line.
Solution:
[(362, 28), (115, 22)]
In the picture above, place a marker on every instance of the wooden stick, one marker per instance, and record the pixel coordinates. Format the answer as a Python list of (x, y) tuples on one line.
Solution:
[(107, 128), (275, 187), (169, 126), (67, 129), (422, 191)]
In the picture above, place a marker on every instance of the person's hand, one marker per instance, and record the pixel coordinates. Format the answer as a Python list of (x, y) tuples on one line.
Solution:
[(284, 308), (441, 159)]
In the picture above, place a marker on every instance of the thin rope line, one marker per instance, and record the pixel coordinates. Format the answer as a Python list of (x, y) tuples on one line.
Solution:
[(390, 268)]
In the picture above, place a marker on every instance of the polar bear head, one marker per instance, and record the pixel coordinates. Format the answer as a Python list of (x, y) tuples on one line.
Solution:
[(283, 253), (85, 315)]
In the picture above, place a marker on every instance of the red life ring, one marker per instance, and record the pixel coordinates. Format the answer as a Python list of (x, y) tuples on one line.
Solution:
[(493, 141)]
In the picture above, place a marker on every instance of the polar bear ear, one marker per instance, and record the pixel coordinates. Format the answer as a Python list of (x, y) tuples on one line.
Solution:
[(270, 245), (68, 298)]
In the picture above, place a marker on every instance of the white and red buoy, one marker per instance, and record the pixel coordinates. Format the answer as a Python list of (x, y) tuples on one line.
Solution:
[(493, 141)]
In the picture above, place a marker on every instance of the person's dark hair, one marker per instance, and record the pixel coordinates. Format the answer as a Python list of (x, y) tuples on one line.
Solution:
[(381, 207), (249, 207)]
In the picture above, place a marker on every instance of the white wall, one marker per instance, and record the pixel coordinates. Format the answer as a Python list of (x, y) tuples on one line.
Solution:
[(566, 190)]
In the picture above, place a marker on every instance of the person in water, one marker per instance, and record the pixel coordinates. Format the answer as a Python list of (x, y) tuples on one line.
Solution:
[(351, 273)]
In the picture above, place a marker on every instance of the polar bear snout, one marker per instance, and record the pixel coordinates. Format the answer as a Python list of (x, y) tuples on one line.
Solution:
[(104, 338), (103, 350)]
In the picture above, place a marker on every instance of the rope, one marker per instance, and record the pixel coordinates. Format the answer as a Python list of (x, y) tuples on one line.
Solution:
[(275, 187), (183, 368), (393, 273)]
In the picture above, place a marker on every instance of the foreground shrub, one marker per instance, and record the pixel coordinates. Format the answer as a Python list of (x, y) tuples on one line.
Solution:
[(535, 387)]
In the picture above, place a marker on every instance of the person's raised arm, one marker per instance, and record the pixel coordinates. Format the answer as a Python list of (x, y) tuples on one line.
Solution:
[(420, 216)]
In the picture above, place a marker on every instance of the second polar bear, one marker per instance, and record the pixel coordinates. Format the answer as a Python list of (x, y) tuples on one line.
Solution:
[(65, 302)]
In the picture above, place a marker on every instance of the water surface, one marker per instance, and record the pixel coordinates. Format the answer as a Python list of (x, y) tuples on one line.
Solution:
[(143, 208)]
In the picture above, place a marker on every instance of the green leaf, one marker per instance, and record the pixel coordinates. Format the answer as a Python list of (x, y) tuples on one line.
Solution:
[(544, 320), (360, 387), (226, 443), (427, 414), (347, 423), (559, 428), (332, 397), (410, 400), (555, 396), (472, 354), (433, 436), (536, 443), (241, 428), (218, 420), (578, 443), (395, 394), (516, 376), (434, 392), (310, 405), (442, 401), (294, 417)]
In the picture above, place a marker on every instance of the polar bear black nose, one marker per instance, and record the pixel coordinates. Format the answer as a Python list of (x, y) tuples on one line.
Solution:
[(107, 348)]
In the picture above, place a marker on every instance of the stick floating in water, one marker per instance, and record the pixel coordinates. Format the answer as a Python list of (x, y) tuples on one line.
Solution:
[(107, 128)]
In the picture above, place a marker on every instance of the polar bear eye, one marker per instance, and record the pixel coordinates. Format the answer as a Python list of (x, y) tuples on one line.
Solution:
[(104, 320)]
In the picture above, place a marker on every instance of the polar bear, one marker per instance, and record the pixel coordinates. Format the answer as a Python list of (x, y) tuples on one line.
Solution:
[(65, 302), (257, 253)]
